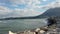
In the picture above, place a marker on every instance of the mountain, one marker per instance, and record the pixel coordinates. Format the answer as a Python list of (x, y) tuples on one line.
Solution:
[(51, 12)]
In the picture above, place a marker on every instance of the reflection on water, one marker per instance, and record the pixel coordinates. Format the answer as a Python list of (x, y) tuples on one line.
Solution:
[(20, 25)]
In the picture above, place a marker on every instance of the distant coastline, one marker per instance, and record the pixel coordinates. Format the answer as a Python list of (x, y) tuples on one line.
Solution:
[(13, 18)]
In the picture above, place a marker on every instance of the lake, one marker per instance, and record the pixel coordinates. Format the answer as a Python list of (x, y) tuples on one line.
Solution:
[(20, 25)]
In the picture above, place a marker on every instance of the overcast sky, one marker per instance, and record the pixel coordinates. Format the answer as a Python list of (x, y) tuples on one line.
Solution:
[(23, 8)]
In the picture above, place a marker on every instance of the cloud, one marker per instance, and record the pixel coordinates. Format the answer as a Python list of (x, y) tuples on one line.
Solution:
[(28, 3), (32, 8), (44, 0), (25, 12), (4, 10), (53, 4), (24, 1), (18, 1)]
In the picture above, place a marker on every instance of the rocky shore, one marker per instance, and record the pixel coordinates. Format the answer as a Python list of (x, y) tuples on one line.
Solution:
[(42, 30)]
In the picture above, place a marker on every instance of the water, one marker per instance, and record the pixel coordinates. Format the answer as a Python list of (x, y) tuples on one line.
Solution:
[(20, 25)]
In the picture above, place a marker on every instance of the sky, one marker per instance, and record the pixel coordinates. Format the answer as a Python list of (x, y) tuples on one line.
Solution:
[(25, 8)]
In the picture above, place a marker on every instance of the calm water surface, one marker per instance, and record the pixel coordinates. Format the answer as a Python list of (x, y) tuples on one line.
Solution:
[(20, 25)]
